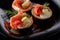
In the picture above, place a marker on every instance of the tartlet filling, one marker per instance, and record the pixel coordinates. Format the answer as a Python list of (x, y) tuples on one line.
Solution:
[(41, 11), (17, 22), (21, 4)]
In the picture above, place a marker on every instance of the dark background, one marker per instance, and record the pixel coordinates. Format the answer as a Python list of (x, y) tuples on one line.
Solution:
[(6, 4)]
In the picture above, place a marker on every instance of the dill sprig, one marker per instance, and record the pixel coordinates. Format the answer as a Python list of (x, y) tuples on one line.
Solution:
[(46, 4), (10, 13), (27, 15)]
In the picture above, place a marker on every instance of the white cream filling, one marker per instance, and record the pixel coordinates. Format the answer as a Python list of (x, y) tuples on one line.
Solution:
[(26, 4), (27, 22), (46, 14), (16, 8)]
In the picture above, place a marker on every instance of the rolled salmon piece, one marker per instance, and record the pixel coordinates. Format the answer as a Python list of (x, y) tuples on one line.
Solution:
[(15, 21)]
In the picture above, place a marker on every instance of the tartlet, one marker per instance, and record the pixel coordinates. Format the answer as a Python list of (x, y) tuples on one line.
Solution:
[(22, 5), (41, 12)]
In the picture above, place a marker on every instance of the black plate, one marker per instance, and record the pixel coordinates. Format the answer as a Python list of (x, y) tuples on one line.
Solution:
[(49, 26)]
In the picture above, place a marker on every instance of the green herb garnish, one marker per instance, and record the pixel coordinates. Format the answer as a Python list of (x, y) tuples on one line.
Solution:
[(27, 15), (46, 4), (10, 13)]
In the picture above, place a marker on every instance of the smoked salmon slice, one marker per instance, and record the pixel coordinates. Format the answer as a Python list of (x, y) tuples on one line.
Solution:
[(15, 22)]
